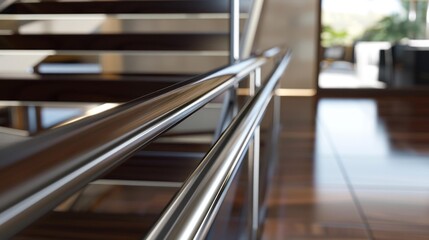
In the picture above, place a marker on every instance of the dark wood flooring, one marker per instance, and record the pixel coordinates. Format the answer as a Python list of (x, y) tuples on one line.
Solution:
[(346, 169), (351, 169)]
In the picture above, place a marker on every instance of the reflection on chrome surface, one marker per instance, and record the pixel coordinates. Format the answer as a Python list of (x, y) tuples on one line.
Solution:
[(27, 119)]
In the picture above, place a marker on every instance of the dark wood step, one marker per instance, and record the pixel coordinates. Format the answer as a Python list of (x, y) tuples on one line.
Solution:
[(174, 147), (144, 167), (91, 88), (159, 161), (116, 7), (118, 42), (87, 225)]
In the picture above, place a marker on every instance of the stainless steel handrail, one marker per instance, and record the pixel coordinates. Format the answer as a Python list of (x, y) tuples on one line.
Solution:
[(192, 211), (38, 174), (250, 29)]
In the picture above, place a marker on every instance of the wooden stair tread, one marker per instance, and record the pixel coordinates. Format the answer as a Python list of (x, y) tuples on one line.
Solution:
[(87, 225), (152, 168), (125, 6), (118, 42), (100, 88)]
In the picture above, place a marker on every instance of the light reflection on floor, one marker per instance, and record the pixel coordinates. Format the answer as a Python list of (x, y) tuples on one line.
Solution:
[(363, 174)]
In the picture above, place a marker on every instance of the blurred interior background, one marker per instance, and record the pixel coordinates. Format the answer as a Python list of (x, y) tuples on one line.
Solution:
[(374, 44)]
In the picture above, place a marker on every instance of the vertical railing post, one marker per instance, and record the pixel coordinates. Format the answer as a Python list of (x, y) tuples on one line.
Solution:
[(250, 29), (254, 164), (234, 47), (229, 108), (234, 31)]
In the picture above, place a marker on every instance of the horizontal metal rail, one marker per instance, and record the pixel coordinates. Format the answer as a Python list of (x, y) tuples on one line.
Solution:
[(192, 211), (38, 174)]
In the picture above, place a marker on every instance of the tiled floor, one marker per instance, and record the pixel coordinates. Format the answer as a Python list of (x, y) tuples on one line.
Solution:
[(351, 169)]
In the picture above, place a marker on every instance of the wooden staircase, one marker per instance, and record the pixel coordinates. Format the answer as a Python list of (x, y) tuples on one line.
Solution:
[(97, 52)]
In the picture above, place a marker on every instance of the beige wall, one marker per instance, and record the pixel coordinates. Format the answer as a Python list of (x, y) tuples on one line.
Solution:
[(294, 22)]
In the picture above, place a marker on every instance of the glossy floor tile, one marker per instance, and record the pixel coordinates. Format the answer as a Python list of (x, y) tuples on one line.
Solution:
[(351, 169), (303, 204), (353, 127), (307, 213), (313, 171), (395, 207), (399, 171), (399, 232), (293, 230)]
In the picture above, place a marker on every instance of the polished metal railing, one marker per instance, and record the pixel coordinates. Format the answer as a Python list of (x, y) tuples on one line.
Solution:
[(39, 173), (192, 211)]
